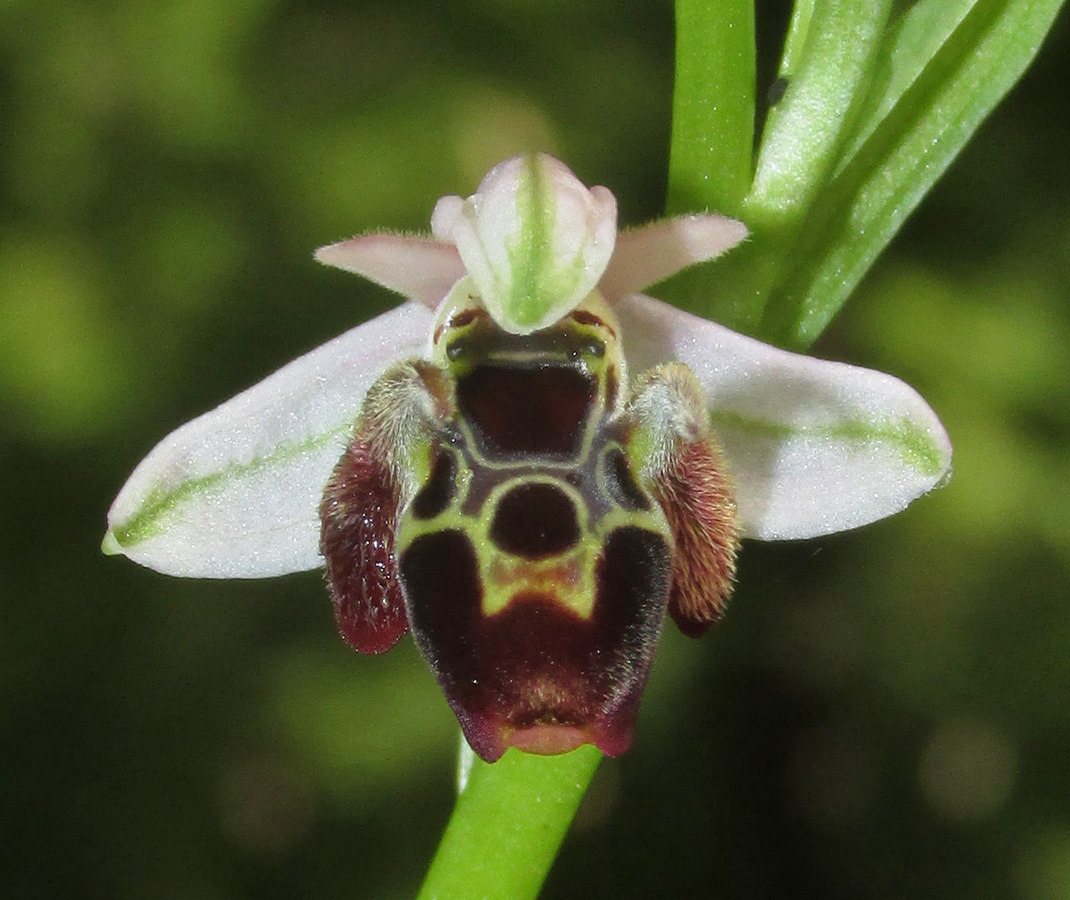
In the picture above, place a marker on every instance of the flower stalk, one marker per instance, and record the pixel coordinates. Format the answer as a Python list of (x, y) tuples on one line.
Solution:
[(508, 824)]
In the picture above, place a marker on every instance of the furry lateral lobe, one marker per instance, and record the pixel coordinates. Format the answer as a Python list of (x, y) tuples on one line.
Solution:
[(698, 503), (359, 516), (364, 496), (682, 467)]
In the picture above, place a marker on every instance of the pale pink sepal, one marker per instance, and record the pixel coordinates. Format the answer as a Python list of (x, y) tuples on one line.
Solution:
[(418, 268), (814, 447), (651, 253), (235, 493)]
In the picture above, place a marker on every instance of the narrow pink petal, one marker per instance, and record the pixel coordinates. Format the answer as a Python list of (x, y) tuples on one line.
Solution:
[(444, 215), (651, 253), (235, 493), (418, 268), (813, 447)]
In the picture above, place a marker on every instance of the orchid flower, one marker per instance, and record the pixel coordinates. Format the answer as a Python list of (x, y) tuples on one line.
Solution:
[(477, 466)]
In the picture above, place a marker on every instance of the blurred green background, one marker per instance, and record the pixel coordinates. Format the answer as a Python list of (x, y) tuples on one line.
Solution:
[(882, 714)]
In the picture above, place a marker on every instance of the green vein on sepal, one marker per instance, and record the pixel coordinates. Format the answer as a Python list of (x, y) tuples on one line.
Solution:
[(151, 518), (527, 254), (913, 444), (537, 279)]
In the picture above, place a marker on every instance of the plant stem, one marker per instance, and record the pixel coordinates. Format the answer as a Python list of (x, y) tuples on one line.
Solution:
[(507, 826), (711, 157)]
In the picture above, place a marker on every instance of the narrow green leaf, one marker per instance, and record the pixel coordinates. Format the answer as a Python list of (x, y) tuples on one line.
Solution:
[(801, 14), (711, 161), (828, 59), (864, 206), (907, 48), (830, 53), (509, 821)]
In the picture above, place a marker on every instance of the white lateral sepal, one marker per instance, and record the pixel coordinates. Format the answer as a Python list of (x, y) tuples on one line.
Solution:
[(236, 492), (813, 447)]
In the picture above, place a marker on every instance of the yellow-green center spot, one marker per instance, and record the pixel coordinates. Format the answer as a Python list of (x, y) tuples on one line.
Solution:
[(567, 578)]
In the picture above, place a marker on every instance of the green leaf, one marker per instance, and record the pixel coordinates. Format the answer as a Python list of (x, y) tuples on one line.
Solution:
[(711, 160), (830, 53), (936, 94), (911, 42), (829, 57), (508, 823)]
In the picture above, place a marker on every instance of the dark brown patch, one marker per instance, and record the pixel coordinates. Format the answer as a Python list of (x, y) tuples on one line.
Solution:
[(633, 578), (440, 574), (584, 317), (535, 521), (621, 482), (440, 488), (536, 663), (466, 317), (612, 379), (458, 320), (358, 515), (540, 410)]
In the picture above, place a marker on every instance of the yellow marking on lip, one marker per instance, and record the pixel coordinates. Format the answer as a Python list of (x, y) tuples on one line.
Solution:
[(566, 580)]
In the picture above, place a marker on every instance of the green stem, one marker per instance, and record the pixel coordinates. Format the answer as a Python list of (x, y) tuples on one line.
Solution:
[(508, 823), (711, 160), (711, 156)]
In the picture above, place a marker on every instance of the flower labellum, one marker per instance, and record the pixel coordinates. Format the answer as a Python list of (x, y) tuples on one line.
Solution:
[(529, 463)]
